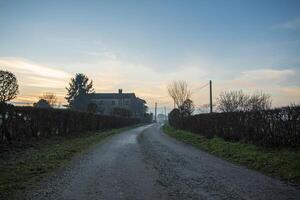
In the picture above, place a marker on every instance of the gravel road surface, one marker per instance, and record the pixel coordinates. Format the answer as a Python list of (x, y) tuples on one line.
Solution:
[(144, 163)]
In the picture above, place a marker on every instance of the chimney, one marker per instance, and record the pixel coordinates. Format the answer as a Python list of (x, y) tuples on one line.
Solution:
[(120, 91)]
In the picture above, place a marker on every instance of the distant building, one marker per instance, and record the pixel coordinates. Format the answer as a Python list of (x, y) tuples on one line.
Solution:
[(106, 103), (161, 118)]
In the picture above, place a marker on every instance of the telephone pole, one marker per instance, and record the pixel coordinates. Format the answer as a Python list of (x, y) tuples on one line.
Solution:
[(155, 112), (210, 95)]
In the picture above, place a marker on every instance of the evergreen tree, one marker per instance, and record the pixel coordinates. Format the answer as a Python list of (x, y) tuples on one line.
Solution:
[(78, 87)]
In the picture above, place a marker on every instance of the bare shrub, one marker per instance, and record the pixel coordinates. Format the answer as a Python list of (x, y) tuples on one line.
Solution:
[(51, 98), (234, 101)]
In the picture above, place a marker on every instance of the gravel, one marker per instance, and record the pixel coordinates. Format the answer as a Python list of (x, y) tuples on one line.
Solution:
[(144, 163)]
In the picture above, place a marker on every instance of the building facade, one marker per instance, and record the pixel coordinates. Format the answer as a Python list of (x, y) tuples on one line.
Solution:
[(107, 103)]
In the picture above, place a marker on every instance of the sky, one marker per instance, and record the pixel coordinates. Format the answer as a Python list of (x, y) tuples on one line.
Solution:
[(141, 46)]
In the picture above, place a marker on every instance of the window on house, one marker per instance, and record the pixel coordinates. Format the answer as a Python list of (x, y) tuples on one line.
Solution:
[(126, 103), (101, 102), (113, 102)]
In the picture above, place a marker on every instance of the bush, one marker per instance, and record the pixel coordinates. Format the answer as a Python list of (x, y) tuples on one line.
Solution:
[(274, 128), (174, 118), (26, 122)]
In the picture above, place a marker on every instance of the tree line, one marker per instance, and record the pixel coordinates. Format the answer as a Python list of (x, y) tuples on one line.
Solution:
[(36, 121), (227, 101), (240, 117), (79, 85)]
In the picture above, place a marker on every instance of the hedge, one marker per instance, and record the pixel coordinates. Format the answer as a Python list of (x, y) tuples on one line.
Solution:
[(273, 128), (26, 122)]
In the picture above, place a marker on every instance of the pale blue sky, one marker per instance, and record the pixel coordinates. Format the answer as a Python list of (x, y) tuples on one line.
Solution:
[(142, 45)]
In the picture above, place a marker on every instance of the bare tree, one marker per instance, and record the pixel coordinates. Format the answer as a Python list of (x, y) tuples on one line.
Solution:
[(179, 92), (9, 87), (233, 101), (51, 98)]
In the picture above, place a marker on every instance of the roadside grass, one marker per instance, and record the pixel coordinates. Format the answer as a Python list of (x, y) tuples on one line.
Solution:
[(280, 163), (23, 166)]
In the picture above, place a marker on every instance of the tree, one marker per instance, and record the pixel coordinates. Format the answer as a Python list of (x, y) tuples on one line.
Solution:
[(175, 118), (179, 92), (79, 86), (187, 108), (9, 87), (234, 101), (50, 98), (42, 103)]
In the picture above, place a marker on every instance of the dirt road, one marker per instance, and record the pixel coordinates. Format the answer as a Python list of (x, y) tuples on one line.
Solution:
[(144, 163)]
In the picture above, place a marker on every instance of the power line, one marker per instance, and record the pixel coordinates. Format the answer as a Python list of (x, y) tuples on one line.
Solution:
[(199, 88), (203, 86)]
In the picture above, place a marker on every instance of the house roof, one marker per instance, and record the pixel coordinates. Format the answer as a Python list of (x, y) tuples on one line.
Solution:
[(112, 95), (142, 100)]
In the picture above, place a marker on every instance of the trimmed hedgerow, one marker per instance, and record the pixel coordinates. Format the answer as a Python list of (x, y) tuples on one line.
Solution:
[(27, 122), (273, 128)]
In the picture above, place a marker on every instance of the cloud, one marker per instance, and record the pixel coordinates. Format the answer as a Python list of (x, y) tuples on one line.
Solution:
[(278, 83), (104, 54), (283, 96), (28, 67), (42, 82), (34, 78), (266, 74), (112, 72), (261, 79), (34, 74), (292, 24)]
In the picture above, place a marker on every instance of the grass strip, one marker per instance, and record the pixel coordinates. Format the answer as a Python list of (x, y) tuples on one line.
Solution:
[(22, 170), (280, 163)]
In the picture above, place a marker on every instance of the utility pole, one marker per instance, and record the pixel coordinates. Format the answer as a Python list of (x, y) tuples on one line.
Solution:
[(155, 112), (165, 113), (210, 95)]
